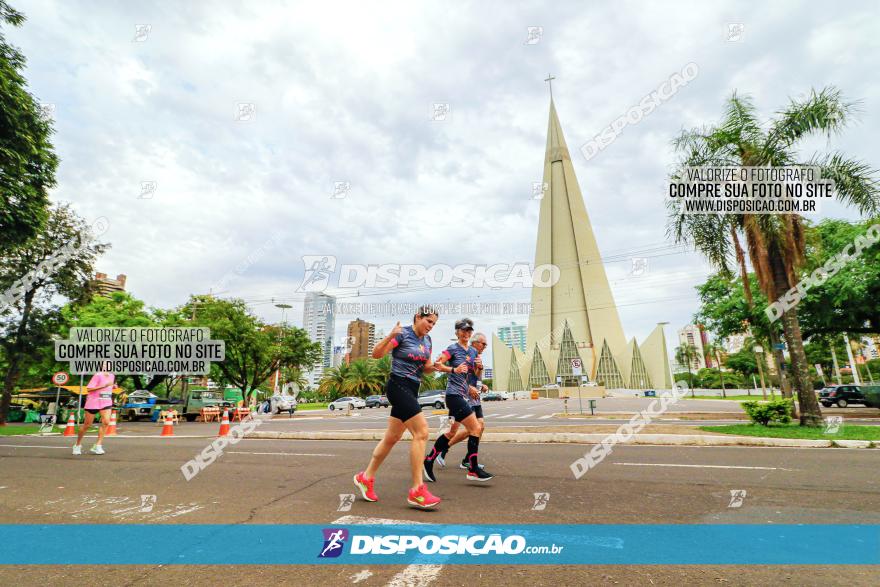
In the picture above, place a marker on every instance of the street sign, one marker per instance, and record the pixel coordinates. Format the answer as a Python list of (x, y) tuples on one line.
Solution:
[(60, 378), (779, 346), (576, 367)]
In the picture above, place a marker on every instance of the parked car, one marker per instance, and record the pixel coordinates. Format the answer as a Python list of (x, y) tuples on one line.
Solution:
[(343, 403), (432, 397), (493, 396), (841, 395), (377, 401)]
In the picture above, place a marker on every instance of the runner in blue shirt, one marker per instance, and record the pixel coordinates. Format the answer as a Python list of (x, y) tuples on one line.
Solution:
[(462, 361), (410, 356), (457, 434)]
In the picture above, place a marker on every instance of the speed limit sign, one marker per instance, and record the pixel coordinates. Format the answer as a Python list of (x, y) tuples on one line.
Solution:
[(60, 378), (576, 366)]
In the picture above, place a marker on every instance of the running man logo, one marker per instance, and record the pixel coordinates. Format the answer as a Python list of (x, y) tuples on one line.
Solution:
[(737, 497), (345, 502), (334, 542), (833, 424), (318, 269), (147, 503), (541, 500)]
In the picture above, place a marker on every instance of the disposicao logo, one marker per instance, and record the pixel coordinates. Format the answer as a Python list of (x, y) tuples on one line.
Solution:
[(334, 542)]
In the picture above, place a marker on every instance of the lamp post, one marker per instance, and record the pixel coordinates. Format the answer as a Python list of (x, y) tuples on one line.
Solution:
[(284, 308)]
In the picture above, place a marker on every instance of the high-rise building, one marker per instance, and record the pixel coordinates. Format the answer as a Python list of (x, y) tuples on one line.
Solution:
[(513, 335), (339, 355), (104, 286), (361, 339), (319, 320), (696, 337), (735, 343), (574, 329)]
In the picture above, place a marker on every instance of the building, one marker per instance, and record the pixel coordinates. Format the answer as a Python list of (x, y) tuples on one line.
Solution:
[(361, 339), (487, 373), (574, 330), (870, 348), (319, 320), (696, 337), (514, 336), (104, 286)]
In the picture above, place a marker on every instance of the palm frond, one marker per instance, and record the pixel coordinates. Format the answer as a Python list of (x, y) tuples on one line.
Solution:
[(855, 182), (821, 112)]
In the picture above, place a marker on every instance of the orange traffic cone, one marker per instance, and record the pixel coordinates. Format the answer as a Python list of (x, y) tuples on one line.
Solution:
[(224, 424), (70, 429), (168, 428), (111, 429)]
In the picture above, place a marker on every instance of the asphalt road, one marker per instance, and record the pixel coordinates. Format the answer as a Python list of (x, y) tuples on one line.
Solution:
[(267, 481)]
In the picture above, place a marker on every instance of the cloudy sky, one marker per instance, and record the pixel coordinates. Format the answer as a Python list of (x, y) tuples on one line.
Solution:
[(344, 92)]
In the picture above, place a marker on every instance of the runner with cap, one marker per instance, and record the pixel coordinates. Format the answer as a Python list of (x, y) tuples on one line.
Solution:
[(410, 349), (476, 386), (462, 360)]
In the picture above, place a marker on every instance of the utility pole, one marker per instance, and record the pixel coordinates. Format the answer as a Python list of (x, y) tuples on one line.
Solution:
[(852, 362), (836, 366)]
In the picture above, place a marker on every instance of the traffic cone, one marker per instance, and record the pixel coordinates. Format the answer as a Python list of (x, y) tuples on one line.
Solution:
[(111, 429), (70, 429), (168, 428), (224, 425)]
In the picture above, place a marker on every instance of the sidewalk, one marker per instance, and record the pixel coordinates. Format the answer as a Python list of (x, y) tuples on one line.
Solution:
[(651, 435)]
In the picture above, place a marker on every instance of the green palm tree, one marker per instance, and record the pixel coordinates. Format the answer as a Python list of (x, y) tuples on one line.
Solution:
[(294, 375), (363, 378), (333, 382), (383, 367), (775, 242), (714, 350)]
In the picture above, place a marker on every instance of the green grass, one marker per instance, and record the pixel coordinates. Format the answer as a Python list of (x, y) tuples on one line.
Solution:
[(311, 406), (739, 398), (846, 431)]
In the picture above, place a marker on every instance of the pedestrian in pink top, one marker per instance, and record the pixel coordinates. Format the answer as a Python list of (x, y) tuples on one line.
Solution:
[(99, 400)]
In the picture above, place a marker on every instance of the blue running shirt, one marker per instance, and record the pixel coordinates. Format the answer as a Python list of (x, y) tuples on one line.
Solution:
[(410, 354), (455, 355)]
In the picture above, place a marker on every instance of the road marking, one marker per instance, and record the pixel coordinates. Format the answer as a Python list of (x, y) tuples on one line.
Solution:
[(545, 417), (292, 454), (506, 416), (36, 446), (704, 466), (525, 416), (411, 576)]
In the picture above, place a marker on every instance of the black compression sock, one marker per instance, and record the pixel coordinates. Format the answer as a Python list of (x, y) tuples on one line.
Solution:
[(473, 448), (440, 446)]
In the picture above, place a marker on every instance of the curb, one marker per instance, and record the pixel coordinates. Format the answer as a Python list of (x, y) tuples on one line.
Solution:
[(581, 438)]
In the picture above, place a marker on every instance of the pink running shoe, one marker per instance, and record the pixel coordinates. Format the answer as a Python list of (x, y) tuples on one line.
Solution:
[(366, 487), (422, 498)]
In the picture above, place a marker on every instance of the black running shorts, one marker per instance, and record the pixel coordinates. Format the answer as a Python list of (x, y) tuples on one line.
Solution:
[(97, 411), (459, 408), (478, 410), (403, 395)]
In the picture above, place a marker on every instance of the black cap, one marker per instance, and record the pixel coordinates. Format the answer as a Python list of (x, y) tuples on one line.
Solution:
[(464, 324)]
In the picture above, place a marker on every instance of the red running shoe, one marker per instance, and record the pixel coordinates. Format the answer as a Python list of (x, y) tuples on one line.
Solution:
[(422, 498), (365, 486)]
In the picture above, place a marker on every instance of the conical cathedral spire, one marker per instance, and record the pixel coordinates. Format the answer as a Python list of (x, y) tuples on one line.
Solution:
[(582, 296)]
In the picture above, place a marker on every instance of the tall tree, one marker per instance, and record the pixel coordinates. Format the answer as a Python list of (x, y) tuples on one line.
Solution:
[(27, 159), (254, 350), (775, 242), (57, 262), (363, 378)]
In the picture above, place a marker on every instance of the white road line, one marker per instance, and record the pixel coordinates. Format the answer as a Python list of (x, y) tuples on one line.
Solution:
[(704, 466), (411, 576), (292, 454), (525, 416), (37, 446), (545, 417), (506, 416)]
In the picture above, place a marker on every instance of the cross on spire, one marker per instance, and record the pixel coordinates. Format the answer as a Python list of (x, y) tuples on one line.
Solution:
[(549, 80)]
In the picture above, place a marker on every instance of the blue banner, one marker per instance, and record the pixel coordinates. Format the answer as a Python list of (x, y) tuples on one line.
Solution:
[(640, 544)]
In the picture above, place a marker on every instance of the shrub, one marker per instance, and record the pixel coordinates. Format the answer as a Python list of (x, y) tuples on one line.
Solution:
[(778, 410)]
